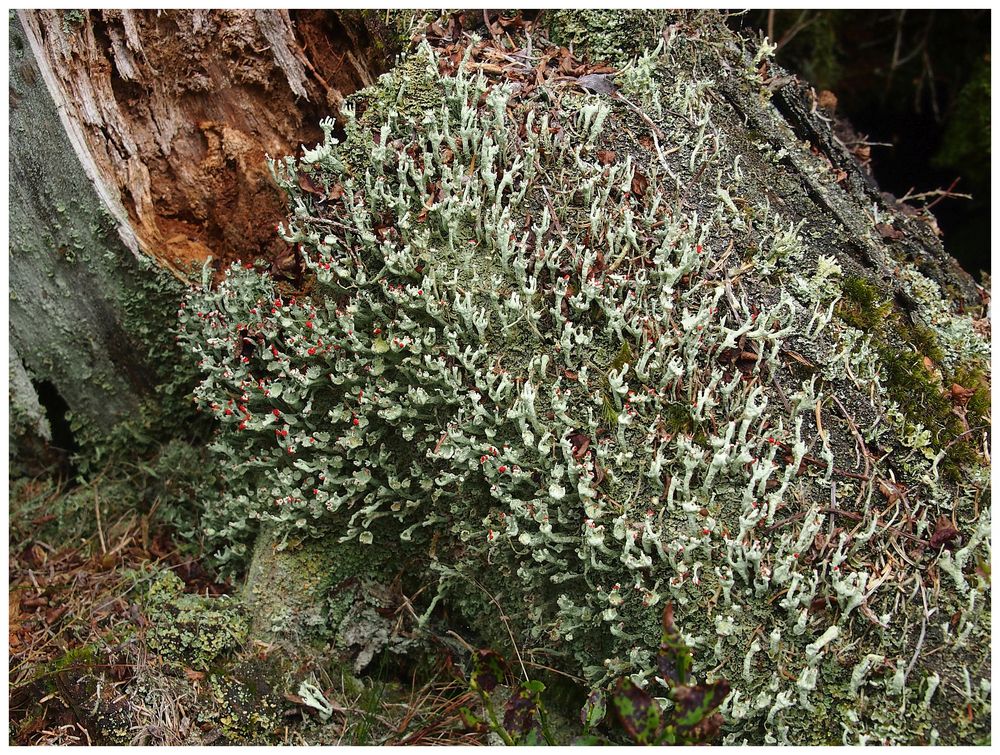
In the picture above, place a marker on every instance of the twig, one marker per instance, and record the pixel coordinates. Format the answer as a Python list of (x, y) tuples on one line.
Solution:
[(503, 618), (100, 530), (939, 193), (920, 639)]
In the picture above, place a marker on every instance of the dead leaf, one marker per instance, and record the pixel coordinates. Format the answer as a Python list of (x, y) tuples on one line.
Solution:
[(598, 83), (827, 100), (54, 614), (887, 231), (580, 443), (605, 156), (639, 184), (893, 491), (960, 395), (310, 184), (944, 532)]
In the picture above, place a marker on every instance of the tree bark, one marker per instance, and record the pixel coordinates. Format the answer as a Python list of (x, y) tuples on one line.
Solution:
[(138, 145)]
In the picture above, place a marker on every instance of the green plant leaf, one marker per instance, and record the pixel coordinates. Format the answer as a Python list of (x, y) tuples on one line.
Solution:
[(471, 720), (694, 703), (488, 670), (673, 659), (520, 716), (638, 713), (594, 710)]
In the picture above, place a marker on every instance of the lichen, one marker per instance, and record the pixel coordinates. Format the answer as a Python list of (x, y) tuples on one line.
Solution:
[(243, 704), (570, 366), (192, 630), (615, 36)]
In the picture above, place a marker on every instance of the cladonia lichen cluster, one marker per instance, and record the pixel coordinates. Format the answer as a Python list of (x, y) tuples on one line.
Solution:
[(578, 350)]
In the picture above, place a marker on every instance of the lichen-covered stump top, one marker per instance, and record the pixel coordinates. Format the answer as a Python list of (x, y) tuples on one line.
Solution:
[(603, 341)]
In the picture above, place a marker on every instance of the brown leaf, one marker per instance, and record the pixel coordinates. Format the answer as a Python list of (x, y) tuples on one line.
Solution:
[(194, 676), (598, 83), (960, 395), (893, 491), (639, 184), (54, 614), (944, 532), (13, 607), (580, 443), (887, 231), (827, 100), (310, 184), (605, 156)]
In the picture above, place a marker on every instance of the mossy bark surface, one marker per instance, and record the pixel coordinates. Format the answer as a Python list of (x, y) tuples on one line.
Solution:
[(87, 315)]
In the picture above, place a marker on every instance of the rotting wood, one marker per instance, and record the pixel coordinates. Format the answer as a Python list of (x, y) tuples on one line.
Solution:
[(173, 113)]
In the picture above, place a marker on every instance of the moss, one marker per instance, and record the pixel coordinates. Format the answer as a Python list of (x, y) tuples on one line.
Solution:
[(192, 630), (304, 588), (78, 661), (973, 378), (921, 390), (167, 488), (863, 305), (392, 30), (920, 396), (409, 89), (922, 339), (73, 19)]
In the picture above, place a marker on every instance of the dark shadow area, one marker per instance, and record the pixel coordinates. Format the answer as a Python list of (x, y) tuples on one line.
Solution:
[(916, 85), (56, 411)]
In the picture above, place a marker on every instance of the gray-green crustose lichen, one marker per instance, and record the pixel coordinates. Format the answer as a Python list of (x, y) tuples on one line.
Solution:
[(583, 387), (243, 704), (192, 630)]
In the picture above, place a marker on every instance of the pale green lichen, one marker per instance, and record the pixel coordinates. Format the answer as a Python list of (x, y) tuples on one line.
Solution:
[(615, 36), (578, 390), (192, 630)]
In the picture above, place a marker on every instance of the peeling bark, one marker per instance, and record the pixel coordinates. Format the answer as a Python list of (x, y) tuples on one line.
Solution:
[(143, 135), (173, 113)]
